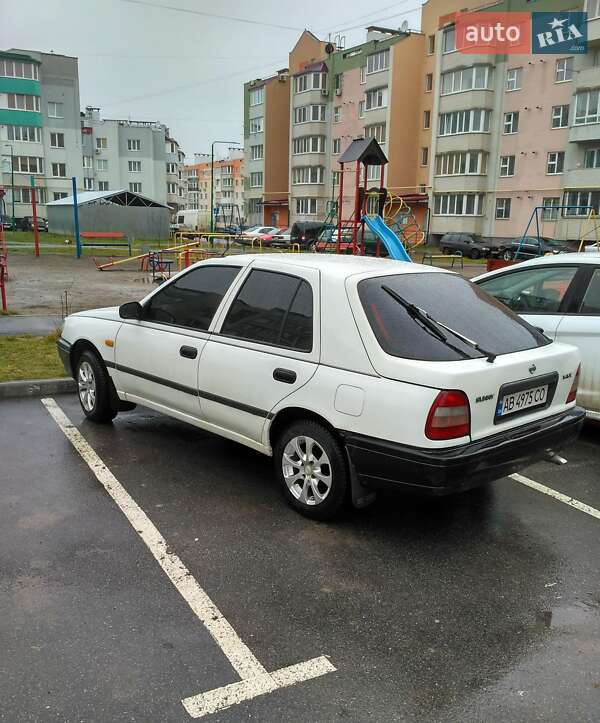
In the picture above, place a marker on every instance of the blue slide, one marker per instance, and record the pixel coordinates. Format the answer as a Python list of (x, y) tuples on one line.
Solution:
[(392, 243)]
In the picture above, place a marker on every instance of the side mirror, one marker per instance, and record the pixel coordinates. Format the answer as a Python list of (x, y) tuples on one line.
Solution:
[(130, 310)]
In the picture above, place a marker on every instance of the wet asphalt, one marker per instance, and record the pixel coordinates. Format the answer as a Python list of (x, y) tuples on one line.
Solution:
[(480, 607)]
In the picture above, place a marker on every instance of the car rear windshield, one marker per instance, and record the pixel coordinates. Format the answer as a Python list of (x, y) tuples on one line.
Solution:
[(455, 302)]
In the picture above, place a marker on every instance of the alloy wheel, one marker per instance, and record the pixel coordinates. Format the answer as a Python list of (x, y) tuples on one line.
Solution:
[(86, 382), (306, 470)]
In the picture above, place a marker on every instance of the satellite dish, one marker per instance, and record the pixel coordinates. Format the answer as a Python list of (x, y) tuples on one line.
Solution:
[(329, 48), (404, 26)]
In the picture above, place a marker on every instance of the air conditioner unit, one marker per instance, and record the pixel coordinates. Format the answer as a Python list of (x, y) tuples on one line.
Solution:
[(97, 151), (338, 91), (324, 91)]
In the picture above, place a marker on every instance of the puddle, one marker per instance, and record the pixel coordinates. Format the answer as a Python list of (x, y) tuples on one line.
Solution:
[(569, 616)]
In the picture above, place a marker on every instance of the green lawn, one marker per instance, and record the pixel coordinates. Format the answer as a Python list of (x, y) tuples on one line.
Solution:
[(51, 243), (29, 357)]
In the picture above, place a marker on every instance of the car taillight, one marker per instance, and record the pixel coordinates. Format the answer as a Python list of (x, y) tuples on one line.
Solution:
[(449, 416), (573, 391)]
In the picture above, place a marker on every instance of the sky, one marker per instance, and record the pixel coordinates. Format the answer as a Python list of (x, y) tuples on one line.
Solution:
[(173, 61)]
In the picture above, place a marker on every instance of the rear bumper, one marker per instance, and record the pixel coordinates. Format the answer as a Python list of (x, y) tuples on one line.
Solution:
[(379, 463), (64, 352)]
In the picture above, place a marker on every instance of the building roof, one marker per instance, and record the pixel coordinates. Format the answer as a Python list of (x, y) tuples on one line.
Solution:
[(121, 197), (365, 150)]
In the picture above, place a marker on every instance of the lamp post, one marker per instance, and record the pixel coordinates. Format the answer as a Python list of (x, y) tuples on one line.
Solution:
[(12, 184), (231, 144)]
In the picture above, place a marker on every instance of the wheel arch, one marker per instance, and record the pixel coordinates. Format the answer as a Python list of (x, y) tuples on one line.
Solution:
[(288, 415), (77, 350)]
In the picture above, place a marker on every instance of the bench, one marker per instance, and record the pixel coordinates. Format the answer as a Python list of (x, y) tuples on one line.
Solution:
[(108, 239), (454, 257)]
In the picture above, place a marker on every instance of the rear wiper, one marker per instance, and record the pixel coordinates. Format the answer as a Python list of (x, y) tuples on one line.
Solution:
[(415, 312)]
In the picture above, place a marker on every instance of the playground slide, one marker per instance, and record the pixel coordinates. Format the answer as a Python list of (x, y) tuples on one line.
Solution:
[(392, 243)]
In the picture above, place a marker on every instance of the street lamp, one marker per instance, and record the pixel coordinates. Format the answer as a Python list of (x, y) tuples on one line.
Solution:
[(12, 184), (232, 145)]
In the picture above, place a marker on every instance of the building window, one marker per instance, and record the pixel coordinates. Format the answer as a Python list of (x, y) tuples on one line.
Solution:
[(449, 40), (337, 113), (28, 164), (23, 195), (20, 101), (88, 184), (134, 144), (513, 78), (87, 161), (511, 122), (136, 187), (503, 208), (591, 158), (336, 147), (461, 163), (593, 9), (256, 153), (378, 61), (55, 110), (429, 82), (337, 83), (307, 175), (101, 143), (583, 200), (103, 185), (426, 119), (458, 204), (59, 170), (507, 166), (556, 161), (550, 208), (257, 96), (256, 179), (587, 107), (376, 98), (477, 77), (377, 131), (335, 177), (309, 113), (101, 164), (134, 166), (424, 156), (564, 70), (18, 69), (560, 116), (363, 74), (464, 121), (430, 44), (172, 188), (26, 134), (172, 168), (361, 108), (310, 81), (306, 206), (308, 144), (256, 125), (57, 140), (57, 195)]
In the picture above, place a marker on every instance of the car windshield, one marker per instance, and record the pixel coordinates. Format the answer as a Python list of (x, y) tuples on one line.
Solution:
[(453, 301)]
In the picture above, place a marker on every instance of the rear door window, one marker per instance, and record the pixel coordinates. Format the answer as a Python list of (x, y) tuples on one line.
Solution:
[(533, 290), (455, 302), (272, 308), (591, 300)]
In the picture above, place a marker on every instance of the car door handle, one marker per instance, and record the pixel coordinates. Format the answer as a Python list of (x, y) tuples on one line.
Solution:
[(189, 352), (284, 375)]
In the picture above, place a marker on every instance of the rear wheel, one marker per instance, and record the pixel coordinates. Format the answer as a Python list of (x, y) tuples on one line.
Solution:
[(94, 388), (507, 255), (474, 253), (311, 468)]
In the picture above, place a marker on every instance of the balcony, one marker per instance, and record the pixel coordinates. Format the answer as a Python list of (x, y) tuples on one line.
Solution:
[(594, 30), (582, 178), (584, 133)]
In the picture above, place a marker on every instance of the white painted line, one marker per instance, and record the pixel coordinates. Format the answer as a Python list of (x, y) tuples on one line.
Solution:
[(255, 678), (571, 501)]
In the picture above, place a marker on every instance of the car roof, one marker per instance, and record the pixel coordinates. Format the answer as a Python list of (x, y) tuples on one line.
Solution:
[(555, 259)]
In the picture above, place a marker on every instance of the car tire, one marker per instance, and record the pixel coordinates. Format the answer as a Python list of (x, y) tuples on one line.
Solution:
[(507, 255), (94, 388), (318, 496), (474, 254)]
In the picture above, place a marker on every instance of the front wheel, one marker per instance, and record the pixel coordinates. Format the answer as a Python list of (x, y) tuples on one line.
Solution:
[(474, 253), (312, 470), (94, 388)]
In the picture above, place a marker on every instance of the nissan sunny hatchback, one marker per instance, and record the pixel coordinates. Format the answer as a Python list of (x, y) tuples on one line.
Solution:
[(352, 373)]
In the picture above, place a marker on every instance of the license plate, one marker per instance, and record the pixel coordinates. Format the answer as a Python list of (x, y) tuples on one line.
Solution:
[(518, 401)]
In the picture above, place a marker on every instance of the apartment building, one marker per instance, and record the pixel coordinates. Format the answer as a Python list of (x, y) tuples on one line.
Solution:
[(266, 149), (39, 127), (140, 156), (228, 188)]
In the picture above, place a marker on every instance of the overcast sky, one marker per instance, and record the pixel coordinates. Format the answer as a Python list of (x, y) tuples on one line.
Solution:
[(145, 60)]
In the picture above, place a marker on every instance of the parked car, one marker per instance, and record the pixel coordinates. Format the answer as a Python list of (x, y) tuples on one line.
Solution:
[(26, 224), (327, 243), (561, 295), (306, 233), (281, 238), (464, 243), (530, 247), (257, 233), (412, 374), (7, 223)]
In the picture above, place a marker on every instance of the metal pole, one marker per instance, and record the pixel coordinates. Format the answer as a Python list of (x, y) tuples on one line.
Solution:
[(340, 208), (363, 210), (357, 207), (12, 185), (76, 219), (212, 184), (36, 236)]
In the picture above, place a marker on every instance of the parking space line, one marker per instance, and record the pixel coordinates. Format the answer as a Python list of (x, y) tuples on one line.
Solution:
[(571, 501), (255, 678)]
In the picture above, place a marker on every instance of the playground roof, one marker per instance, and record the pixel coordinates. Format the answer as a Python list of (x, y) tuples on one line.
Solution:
[(119, 198), (365, 150)]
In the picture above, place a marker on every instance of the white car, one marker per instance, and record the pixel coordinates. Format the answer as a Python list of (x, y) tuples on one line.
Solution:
[(561, 295), (351, 372)]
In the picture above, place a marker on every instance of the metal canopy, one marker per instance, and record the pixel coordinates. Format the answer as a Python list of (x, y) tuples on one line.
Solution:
[(365, 150), (119, 198)]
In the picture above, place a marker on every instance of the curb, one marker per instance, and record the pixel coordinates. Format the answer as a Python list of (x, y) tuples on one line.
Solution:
[(36, 387)]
